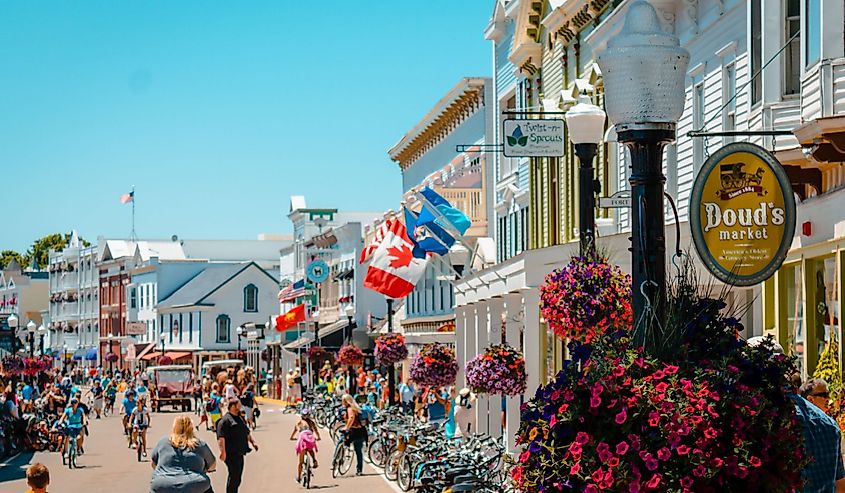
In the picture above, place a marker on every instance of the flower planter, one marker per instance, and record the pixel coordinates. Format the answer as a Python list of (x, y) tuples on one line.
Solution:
[(499, 370), (434, 366), (350, 355), (390, 349)]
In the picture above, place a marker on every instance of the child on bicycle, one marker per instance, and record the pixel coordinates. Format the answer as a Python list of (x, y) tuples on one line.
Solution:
[(306, 442), (140, 423)]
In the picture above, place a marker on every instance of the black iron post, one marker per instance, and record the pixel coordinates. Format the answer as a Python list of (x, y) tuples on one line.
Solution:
[(648, 235), (31, 339), (391, 371), (41, 343), (352, 384), (587, 193)]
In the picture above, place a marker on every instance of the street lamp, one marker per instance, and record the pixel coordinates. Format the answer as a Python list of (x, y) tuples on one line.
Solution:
[(162, 337), (644, 70), (241, 332), (586, 129), (64, 356), (42, 331), (350, 313), (30, 330), (12, 321)]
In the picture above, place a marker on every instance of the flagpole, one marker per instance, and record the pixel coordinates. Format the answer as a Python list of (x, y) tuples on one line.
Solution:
[(132, 235), (391, 372)]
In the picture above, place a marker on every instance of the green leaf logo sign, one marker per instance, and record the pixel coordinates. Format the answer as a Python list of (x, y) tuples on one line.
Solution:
[(517, 139)]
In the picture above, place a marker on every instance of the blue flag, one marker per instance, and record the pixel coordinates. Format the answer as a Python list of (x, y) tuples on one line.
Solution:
[(455, 218), (430, 238)]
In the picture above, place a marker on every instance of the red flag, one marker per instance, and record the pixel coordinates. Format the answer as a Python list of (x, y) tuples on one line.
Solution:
[(394, 271), (291, 318)]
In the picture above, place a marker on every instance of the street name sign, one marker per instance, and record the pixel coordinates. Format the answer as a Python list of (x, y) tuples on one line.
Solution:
[(533, 138), (742, 214), (618, 200)]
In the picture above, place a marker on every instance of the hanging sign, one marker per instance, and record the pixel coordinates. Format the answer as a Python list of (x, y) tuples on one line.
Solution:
[(533, 138), (317, 271), (619, 200), (742, 214)]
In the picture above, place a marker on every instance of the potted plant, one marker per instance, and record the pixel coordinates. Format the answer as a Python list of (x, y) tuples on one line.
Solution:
[(434, 366), (350, 355), (390, 348), (499, 370)]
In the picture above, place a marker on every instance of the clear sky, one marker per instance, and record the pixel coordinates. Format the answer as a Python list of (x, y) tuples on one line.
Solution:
[(217, 111)]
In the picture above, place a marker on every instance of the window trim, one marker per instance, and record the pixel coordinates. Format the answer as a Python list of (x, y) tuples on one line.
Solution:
[(808, 64), (223, 317), (250, 287)]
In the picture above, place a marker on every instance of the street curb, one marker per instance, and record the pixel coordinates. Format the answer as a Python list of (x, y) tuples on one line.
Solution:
[(267, 400)]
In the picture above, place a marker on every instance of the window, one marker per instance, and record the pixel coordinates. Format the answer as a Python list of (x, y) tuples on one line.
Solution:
[(223, 324), (756, 50), (697, 122), (251, 298), (133, 297), (729, 95), (812, 31), (792, 54)]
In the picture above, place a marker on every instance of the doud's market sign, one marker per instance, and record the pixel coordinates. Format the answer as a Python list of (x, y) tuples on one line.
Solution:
[(742, 214), (533, 138)]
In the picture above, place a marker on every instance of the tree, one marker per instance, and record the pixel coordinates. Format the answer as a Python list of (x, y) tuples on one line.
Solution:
[(40, 249), (6, 257)]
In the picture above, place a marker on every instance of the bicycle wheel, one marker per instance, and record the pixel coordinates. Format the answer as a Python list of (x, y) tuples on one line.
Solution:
[(71, 453), (306, 472), (336, 460), (375, 452), (405, 473), (391, 466), (138, 447), (346, 462)]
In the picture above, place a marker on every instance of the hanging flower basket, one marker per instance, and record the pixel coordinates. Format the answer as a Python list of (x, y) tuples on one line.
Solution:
[(165, 360), (586, 298), (434, 366), (350, 355), (499, 370), (316, 351), (390, 349), (111, 357)]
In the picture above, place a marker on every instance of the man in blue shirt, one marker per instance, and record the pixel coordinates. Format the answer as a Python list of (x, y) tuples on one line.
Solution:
[(822, 441), (129, 404)]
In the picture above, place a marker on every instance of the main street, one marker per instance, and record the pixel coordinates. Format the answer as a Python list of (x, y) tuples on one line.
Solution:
[(109, 466)]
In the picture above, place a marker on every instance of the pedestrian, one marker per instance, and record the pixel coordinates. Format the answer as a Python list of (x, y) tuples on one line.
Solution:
[(356, 434), (248, 403), (437, 403), (816, 391), (406, 396), (181, 462), (212, 406), (234, 439), (37, 478), (465, 413)]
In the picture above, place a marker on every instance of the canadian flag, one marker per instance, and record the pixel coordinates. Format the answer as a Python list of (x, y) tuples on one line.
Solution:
[(394, 271)]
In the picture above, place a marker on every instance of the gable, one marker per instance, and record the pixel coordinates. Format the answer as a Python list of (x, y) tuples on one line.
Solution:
[(250, 274)]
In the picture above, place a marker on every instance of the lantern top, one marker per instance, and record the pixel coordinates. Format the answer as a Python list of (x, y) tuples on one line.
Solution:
[(642, 28)]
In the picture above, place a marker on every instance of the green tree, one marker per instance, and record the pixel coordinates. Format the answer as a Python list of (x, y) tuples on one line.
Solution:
[(6, 256), (40, 249)]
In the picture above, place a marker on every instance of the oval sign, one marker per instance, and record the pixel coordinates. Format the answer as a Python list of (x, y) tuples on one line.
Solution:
[(742, 214), (317, 271)]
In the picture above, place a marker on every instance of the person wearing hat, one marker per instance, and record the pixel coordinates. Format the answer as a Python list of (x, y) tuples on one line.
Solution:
[(75, 419), (465, 413)]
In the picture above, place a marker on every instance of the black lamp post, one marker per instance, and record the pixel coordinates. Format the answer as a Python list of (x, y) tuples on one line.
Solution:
[(42, 331), (162, 337), (30, 334), (391, 371), (350, 313), (644, 70), (585, 122)]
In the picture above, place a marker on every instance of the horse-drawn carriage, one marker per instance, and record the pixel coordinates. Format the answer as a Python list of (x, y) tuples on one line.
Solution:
[(734, 177)]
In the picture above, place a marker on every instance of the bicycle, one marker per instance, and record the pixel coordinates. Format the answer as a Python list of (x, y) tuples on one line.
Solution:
[(72, 452), (342, 457), (306, 471)]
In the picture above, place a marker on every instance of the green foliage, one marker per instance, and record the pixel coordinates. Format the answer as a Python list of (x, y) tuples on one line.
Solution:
[(40, 249), (828, 369), (6, 257)]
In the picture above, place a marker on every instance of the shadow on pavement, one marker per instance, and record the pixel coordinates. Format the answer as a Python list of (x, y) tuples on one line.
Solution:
[(16, 468)]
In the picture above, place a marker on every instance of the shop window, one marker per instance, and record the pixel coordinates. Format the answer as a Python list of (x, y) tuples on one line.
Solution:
[(795, 312), (251, 298), (698, 123), (812, 31), (827, 303), (223, 325), (756, 50), (792, 54), (729, 95), (133, 298)]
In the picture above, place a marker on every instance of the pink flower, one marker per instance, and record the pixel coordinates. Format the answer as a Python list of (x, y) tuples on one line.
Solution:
[(651, 463), (582, 438), (621, 417), (755, 461), (591, 488), (686, 482), (664, 454), (621, 448), (682, 449), (595, 401), (699, 471), (575, 469), (654, 482)]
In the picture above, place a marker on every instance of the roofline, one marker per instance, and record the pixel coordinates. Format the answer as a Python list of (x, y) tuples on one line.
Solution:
[(464, 86), (236, 274)]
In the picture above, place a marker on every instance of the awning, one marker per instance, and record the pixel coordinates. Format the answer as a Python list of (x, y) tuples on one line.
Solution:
[(139, 354), (79, 354), (91, 354), (150, 356), (303, 341), (177, 355), (344, 274), (333, 327)]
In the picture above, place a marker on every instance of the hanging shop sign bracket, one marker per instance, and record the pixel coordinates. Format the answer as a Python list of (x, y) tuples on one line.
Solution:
[(739, 133), (742, 214), (619, 200)]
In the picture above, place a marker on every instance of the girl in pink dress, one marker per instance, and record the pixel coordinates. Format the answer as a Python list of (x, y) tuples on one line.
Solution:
[(306, 441)]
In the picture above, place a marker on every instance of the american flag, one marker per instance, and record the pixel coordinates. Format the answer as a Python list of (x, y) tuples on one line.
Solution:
[(292, 291), (370, 249), (127, 197)]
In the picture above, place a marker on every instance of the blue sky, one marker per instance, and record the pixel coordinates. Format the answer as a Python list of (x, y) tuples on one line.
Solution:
[(216, 111)]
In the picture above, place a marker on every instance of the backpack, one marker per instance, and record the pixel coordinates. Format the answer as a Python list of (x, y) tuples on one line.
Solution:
[(211, 404), (367, 415)]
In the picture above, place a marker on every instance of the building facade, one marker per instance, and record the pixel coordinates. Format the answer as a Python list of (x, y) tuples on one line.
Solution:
[(24, 293)]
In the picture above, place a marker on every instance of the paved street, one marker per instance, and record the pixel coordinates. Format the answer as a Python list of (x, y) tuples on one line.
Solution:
[(108, 463)]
